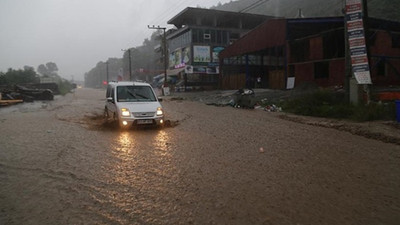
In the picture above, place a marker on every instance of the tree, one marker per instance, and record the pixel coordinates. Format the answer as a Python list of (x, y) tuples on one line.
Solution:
[(145, 62), (27, 68), (95, 77), (48, 70), (3, 79), (12, 77), (52, 68), (42, 69)]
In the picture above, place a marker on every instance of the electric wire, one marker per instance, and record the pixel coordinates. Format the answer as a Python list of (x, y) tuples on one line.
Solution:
[(252, 6), (167, 13)]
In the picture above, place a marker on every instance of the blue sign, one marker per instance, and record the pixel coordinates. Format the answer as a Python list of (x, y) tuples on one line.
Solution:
[(361, 68), (356, 34), (358, 51), (354, 16)]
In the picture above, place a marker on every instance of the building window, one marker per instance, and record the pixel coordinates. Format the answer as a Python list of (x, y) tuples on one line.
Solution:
[(225, 37), (333, 45), (381, 68), (195, 36), (233, 37), (201, 36), (299, 50), (395, 40), (291, 71), (321, 70), (213, 36), (219, 36), (371, 38)]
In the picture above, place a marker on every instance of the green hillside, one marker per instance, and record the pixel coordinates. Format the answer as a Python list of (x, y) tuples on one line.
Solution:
[(385, 9)]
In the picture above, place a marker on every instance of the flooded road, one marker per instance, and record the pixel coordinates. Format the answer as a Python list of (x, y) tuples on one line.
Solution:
[(60, 163)]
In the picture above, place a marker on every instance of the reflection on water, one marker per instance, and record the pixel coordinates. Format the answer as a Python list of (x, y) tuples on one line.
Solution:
[(148, 148), (138, 178), (125, 143), (132, 143), (161, 144)]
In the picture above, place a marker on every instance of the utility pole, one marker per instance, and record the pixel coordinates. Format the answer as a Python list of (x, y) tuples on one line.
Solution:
[(130, 62), (164, 44), (107, 71), (367, 89), (348, 67)]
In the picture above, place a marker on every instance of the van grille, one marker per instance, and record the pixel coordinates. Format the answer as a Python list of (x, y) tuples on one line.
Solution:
[(143, 114)]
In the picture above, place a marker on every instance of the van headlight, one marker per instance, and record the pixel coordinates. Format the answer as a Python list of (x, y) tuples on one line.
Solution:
[(159, 111), (125, 112)]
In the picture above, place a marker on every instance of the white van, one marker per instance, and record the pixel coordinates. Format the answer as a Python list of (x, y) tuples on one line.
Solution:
[(133, 103)]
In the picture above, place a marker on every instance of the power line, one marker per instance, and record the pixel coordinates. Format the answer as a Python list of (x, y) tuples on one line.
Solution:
[(255, 4), (171, 11), (166, 13)]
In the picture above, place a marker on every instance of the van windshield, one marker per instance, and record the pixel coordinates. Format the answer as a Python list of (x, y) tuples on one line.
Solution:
[(135, 94)]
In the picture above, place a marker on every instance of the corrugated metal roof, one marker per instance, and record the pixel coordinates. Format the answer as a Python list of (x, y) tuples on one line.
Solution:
[(269, 34)]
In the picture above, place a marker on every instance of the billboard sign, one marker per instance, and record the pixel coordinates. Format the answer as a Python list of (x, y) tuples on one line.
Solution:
[(201, 54), (356, 39)]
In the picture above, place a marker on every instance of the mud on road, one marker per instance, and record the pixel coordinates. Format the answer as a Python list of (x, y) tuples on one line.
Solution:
[(61, 163)]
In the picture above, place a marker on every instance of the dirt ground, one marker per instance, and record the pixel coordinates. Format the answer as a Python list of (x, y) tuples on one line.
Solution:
[(385, 131)]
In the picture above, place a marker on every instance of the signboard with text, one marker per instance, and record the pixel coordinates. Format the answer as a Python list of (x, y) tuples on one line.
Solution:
[(357, 44), (201, 54)]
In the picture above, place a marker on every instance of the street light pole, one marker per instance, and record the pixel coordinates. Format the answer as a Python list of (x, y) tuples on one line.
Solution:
[(130, 65), (107, 71), (164, 44), (130, 62)]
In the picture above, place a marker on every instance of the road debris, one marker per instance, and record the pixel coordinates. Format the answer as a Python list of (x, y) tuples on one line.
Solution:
[(20, 94), (244, 98), (272, 108)]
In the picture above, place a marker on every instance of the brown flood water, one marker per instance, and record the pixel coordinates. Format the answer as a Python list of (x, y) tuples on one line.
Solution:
[(61, 163)]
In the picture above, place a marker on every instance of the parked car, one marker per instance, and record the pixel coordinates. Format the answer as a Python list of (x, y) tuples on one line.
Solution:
[(133, 104)]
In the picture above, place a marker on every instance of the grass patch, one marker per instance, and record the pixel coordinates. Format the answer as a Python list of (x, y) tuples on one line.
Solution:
[(329, 104)]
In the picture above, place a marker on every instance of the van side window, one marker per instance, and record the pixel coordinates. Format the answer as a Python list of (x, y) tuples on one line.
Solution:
[(112, 93), (108, 94)]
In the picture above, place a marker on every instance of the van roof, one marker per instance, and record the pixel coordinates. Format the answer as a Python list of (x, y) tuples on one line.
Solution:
[(128, 83)]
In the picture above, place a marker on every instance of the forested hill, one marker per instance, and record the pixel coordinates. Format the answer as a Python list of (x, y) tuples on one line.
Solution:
[(384, 9)]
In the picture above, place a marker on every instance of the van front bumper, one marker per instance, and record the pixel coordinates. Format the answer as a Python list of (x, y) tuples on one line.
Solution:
[(127, 122)]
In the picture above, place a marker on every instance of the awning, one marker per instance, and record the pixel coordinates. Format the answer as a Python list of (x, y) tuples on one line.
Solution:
[(175, 72)]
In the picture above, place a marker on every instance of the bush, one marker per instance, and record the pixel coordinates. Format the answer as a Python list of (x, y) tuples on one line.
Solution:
[(65, 87), (329, 104), (374, 111)]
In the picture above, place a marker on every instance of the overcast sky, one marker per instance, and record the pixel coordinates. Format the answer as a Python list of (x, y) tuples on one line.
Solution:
[(76, 34)]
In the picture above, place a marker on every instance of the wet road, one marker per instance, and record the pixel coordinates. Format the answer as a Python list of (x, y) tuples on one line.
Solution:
[(61, 164)]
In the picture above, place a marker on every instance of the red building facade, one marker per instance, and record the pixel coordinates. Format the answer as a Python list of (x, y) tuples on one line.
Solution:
[(308, 50)]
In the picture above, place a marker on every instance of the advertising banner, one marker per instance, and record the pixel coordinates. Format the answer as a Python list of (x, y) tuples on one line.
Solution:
[(215, 54), (201, 54), (179, 58), (357, 44)]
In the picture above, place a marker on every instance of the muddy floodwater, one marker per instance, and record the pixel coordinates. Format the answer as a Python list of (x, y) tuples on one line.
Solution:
[(61, 163)]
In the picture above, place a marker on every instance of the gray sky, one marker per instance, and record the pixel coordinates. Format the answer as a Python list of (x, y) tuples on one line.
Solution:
[(76, 34)]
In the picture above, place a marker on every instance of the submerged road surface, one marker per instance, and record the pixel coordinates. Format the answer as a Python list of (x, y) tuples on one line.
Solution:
[(60, 163)]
